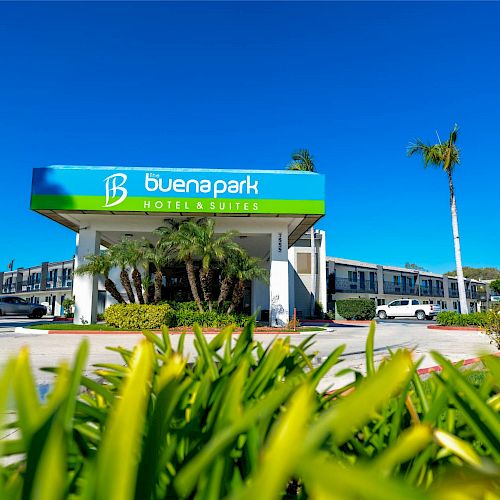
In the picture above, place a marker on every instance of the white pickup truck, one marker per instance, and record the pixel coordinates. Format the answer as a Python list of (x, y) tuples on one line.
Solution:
[(408, 307)]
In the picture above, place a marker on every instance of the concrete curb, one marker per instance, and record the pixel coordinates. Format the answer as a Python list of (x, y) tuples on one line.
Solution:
[(456, 328), (34, 331), (30, 331), (465, 362)]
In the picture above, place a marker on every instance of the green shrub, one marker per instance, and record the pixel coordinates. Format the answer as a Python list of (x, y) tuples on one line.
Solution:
[(492, 327), (187, 314), (215, 425), (139, 316), (68, 304), (452, 318), (318, 310), (356, 308)]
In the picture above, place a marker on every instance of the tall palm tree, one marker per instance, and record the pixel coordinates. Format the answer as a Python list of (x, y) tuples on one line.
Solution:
[(212, 249), (185, 242), (100, 265), (228, 272), (446, 156), (303, 160), (247, 269), (160, 255), (120, 255), (134, 249)]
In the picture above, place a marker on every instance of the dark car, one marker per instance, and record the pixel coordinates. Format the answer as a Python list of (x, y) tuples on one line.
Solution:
[(21, 307)]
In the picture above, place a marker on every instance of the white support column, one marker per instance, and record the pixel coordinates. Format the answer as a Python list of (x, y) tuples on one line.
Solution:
[(278, 286), (291, 280), (85, 287), (322, 296)]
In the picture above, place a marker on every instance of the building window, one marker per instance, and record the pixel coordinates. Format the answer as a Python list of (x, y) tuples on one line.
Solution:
[(353, 276), (304, 263), (380, 302), (455, 305), (396, 280)]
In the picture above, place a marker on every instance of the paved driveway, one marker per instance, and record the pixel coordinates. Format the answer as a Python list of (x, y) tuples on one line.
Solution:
[(48, 350)]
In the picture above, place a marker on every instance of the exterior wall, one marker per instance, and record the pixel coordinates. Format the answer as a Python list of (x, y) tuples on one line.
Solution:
[(34, 284), (400, 283), (302, 284)]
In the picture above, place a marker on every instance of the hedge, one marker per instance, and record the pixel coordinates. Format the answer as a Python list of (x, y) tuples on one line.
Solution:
[(148, 316), (139, 316), (356, 308), (452, 318)]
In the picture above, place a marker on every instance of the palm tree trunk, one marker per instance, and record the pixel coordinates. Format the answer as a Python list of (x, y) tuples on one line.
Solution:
[(110, 287), (158, 283), (206, 277), (456, 242), (238, 293), (137, 279), (225, 288), (192, 283), (125, 281)]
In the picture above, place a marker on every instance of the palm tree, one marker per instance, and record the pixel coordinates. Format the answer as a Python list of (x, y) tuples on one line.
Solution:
[(185, 242), (100, 265), (160, 255), (146, 285), (134, 249), (446, 156), (212, 249), (303, 160), (228, 272), (246, 269), (120, 255)]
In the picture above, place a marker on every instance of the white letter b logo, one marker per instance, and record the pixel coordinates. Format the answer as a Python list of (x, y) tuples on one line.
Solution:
[(113, 189)]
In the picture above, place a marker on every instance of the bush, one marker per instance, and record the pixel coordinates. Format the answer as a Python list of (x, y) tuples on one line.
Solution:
[(452, 318), (492, 327), (187, 314), (68, 304), (356, 308), (172, 425), (318, 310), (139, 316)]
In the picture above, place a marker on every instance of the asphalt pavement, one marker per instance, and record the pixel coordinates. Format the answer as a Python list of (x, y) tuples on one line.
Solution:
[(50, 350)]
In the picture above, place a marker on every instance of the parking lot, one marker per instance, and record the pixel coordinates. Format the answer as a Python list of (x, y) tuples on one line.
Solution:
[(48, 350)]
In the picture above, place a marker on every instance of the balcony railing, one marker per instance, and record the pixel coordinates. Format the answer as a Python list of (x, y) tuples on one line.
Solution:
[(345, 285), (431, 291), (59, 283), (453, 293), (35, 286), (398, 288)]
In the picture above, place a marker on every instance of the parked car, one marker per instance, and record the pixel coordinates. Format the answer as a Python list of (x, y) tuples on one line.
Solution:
[(21, 307), (408, 308)]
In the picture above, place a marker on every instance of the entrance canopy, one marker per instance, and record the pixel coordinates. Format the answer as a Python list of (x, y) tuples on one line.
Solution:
[(269, 209), (66, 193)]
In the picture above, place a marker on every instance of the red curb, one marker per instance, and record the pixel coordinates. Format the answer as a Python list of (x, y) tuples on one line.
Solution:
[(455, 328), (438, 368)]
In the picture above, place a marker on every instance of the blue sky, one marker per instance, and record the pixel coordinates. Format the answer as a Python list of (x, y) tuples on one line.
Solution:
[(242, 85)]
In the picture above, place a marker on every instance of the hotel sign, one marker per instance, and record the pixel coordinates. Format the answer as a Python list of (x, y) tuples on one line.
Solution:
[(117, 189)]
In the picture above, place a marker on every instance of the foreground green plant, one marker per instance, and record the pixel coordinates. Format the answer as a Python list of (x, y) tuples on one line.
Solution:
[(245, 421)]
